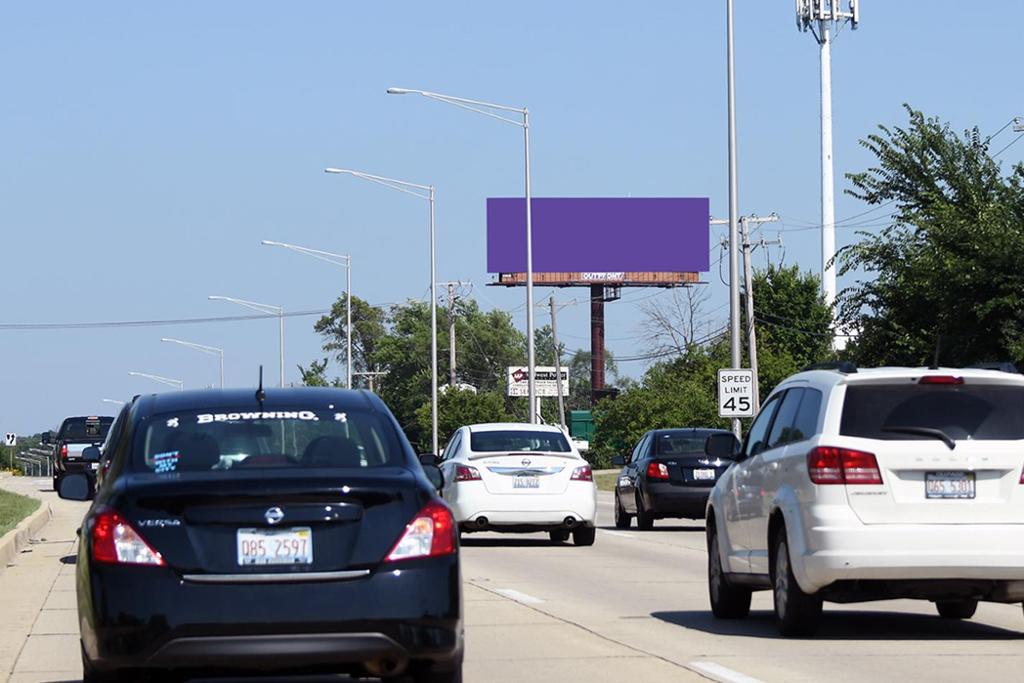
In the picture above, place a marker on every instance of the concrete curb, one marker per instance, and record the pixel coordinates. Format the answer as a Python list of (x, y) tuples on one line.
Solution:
[(18, 537)]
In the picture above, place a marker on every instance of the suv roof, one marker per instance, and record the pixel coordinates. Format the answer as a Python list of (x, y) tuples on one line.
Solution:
[(835, 377)]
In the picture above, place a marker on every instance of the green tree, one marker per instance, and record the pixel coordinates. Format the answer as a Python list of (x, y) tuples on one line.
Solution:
[(791, 315), (456, 408), (945, 273), (579, 378), (368, 327)]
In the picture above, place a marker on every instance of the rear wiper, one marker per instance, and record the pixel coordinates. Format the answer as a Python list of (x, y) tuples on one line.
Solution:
[(924, 431)]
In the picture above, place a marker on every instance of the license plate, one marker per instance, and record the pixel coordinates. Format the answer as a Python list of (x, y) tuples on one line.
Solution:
[(526, 483), (275, 546), (949, 484), (703, 475)]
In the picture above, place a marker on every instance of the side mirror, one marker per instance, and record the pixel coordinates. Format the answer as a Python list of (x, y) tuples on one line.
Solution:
[(75, 486), (91, 454), (618, 461), (435, 475), (722, 446), (428, 459), (46, 438)]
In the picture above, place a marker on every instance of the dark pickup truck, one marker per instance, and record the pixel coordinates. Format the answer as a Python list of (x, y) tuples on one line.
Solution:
[(75, 435)]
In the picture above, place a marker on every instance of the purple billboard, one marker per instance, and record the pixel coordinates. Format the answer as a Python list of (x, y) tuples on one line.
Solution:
[(600, 234)]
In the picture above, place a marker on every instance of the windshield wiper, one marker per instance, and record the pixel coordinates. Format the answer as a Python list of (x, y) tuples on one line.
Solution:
[(924, 431)]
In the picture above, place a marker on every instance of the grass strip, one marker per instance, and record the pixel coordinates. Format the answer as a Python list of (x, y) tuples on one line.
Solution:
[(14, 508)]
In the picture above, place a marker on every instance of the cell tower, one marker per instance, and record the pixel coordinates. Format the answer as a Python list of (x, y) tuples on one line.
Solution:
[(824, 19)]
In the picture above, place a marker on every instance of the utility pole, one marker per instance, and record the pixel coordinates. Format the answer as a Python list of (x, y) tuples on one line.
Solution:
[(452, 297), (824, 19), (558, 363), (748, 276), (734, 290), (370, 376)]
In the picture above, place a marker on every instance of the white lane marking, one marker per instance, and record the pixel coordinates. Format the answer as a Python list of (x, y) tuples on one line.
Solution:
[(717, 672), (617, 533), (519, 597)]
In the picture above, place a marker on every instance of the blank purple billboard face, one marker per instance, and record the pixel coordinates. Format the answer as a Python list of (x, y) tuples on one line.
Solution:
[(600, 234)]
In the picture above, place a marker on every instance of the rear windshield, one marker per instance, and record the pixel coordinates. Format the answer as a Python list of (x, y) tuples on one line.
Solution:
[(515, 440), (196, 441), (980, 412), (85, 429), (679, 444)]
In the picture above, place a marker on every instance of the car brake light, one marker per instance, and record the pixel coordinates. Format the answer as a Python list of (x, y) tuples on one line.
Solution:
[(1022, 477), (657, 470), (64, 451), (431, 533), (830, 465), (466, 473), (940, 379), (583, 473), (114, 541)]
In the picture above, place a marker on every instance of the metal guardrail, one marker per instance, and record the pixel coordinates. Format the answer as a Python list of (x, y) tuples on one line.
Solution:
[(36, 462)]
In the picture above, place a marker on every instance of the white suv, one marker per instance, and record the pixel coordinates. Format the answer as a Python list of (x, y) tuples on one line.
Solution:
[(873, 484)]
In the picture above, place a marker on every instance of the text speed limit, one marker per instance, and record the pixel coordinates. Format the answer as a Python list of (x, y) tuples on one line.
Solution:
[(735, 393)]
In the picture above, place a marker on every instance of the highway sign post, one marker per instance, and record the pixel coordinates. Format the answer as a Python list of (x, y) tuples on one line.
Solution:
[(736, 393)]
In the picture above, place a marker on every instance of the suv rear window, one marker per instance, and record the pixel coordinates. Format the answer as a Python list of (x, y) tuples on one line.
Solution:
[(518, 440), (85, 429), (197, 441), (982, 412)]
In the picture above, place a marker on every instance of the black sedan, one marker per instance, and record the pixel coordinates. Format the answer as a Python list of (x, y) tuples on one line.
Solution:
[(285, 531), (668, 474)]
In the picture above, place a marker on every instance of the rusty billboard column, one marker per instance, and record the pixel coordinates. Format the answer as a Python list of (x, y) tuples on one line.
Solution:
[(596, 342)]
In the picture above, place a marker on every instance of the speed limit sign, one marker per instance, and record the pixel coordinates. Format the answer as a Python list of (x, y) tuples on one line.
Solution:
[(735, 393)]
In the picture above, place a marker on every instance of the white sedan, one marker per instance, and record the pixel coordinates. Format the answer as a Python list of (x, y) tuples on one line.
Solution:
[(519, 478)]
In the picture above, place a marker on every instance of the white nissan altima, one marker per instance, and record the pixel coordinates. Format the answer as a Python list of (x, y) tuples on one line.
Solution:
[(519, 478)]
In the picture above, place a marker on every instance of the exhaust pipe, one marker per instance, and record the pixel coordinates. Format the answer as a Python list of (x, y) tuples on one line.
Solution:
[(569, 522), (384, 667), (481, 522)]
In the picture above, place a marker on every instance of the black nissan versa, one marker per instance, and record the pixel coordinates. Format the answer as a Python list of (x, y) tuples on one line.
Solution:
[(286, 530)]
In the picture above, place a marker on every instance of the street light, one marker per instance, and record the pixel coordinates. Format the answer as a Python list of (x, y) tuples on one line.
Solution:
[(411, 189), (112, 400), (163, 380), (338, 260), (481, 108), (209, 350), (262, 308)]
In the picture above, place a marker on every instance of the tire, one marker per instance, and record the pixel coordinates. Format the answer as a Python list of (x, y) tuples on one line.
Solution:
[(644, 519), (622, 519), (956, 609), (796, 613), (454, 675), (584, 535), (559, 535), (91, 674), (727, 601)]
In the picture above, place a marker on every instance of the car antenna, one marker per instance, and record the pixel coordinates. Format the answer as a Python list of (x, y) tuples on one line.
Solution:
[(261, 395)]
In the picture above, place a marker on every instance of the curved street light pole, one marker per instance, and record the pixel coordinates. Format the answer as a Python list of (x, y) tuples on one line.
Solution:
[(488, 109), (345, 261), (262, 308), (416, 191), (163, 380), (209, 350)]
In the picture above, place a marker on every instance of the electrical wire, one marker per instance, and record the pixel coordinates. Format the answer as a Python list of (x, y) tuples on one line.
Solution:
[(155, 323)]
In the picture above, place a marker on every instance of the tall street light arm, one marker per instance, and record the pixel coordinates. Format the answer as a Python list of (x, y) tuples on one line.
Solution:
[(162, 380), (262, 308), (202, 348)]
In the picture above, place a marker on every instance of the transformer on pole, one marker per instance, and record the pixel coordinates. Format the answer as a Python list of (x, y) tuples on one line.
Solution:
[(824, 19)]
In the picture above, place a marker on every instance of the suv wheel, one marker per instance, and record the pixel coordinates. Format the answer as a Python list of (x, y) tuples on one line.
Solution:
[(796, 613), (558, 536), (644, 519), (622, 520), (584, 535), (727, 601), (956, 609)]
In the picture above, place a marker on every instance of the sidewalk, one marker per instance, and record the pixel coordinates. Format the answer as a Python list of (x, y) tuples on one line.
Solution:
[(39, 632)]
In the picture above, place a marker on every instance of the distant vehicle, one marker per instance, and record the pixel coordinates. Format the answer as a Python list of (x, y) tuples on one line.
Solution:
[(869, 485), (519, 478), (668, 474), (240, 532), (74, 436)]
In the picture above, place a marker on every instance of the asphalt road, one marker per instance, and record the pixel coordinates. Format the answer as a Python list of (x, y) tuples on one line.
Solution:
[(632, 607)]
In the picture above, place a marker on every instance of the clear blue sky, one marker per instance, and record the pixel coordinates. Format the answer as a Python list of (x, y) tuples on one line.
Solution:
[(147, 148)]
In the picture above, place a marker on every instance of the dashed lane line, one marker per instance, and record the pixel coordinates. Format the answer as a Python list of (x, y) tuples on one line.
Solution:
[(717, 672)]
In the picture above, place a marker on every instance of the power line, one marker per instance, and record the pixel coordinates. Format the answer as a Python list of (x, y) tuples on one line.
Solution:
[(155, 323)]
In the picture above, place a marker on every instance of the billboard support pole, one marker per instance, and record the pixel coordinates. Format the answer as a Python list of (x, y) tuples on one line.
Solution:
[(558, 365), (596, 342)]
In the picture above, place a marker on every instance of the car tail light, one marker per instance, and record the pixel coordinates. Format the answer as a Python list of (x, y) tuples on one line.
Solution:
[(431, 533), (1022, 477), (940, 379), (830, 465), (657, 470), (114, 541), (583, 474), (466, 473), (64, 451)]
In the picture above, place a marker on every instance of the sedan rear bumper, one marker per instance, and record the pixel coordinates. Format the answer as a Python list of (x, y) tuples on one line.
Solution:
[(470, 502), (670, 500), (277, 650)]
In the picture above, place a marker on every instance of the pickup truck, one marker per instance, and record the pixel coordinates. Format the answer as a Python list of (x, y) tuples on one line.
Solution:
[(75, 435)]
